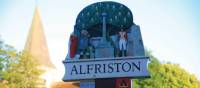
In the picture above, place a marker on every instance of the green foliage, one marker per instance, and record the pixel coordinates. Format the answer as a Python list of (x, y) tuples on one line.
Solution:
[(166, 75), (18, 70), (7, 55), (117, 15)]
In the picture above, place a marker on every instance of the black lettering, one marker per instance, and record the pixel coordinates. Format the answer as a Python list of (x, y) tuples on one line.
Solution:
[(104, 68), (81, 72), (126, 68), (89, 68), (136, 66), (97, 68), (110, 68), (117, 66), (74, 70)]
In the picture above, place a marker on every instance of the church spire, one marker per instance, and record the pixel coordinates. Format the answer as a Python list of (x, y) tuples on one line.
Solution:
[(36, 43)]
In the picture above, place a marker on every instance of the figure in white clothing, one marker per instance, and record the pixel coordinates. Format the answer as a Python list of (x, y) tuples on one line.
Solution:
[(122, 43)]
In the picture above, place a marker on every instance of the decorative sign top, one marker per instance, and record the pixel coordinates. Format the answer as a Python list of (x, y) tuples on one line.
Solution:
[(118, 15)]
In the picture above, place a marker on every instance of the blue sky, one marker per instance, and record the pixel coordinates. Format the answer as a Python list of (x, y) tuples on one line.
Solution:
[(170, 28)]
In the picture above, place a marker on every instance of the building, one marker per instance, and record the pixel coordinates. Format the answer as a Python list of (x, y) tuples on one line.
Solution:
[(36, 45)]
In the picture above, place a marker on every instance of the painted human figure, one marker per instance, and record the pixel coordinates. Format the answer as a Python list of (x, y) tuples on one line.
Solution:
[(122, 43), (83, 44), (73, 45)]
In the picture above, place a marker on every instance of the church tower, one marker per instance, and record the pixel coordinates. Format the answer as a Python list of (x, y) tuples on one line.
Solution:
[(36, 45)]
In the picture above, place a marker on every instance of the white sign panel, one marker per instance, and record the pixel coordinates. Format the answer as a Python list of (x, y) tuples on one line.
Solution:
[(87, 69)]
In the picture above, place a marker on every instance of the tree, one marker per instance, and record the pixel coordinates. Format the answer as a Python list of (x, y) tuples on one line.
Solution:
[(7, 56), (19, 69), (166, 75)]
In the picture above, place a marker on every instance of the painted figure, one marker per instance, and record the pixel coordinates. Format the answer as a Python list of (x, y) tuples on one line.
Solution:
[(73, 45), (122, 43), (83, 44)]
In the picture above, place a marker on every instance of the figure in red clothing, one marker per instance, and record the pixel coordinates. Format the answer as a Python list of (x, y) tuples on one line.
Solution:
[(73, 45)]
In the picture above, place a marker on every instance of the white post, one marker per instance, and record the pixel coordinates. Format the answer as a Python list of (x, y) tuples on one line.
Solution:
[(104, 26)]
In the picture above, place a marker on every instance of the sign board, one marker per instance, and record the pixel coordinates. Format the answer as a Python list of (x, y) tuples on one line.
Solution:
[(87, 69)]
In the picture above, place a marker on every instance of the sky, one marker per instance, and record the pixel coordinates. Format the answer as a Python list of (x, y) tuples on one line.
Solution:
[(170, 28)]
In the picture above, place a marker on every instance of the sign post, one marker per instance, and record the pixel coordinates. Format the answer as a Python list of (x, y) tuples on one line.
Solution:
[(106, 49)]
